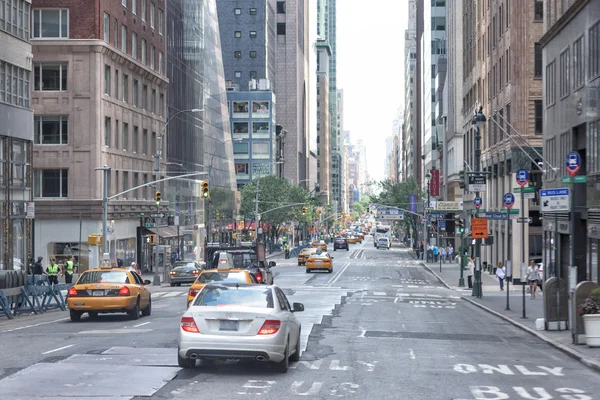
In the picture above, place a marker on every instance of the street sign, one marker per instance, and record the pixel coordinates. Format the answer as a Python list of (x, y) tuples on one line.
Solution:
[(479, 228), (30, 210), (524, 220), (442, 225), (573, 163), (555, 199), (529, 191), (477, 183), (449, 205), (390, 213), (522, 177), (477, 202), (509, 200), (149, 222), (574, 179), (157, 215), (497, 216)]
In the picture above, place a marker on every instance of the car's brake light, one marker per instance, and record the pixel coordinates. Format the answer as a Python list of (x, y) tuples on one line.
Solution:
[(193, 292), (172, 273), (195, 272), (188, 325), (259, 277), (124, 291), (72, 292), (270, 327)]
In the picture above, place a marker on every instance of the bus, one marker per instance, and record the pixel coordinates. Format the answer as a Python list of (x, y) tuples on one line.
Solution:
[(382, 231)]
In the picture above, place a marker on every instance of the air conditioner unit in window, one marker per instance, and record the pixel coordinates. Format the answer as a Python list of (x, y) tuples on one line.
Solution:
[(252, 84)]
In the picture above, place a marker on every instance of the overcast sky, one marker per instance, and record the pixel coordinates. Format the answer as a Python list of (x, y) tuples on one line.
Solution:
[(370, 69)]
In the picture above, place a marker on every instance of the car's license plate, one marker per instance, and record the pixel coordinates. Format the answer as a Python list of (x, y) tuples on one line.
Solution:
[(228, 325), (318, 262), (98, 293)]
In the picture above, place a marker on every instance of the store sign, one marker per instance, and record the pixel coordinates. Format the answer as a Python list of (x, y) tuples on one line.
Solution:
[(260, 169), (434, 185), (30, 210)]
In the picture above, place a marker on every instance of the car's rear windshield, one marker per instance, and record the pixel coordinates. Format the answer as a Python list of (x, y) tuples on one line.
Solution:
[(180, 268), (224, 277), (103, 277), (241, 296)]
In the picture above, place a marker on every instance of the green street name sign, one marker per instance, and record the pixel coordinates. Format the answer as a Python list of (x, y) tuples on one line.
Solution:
[(576, 179), (526, 189)]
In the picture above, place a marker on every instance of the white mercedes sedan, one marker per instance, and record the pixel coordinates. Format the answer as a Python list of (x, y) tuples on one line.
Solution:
[(233, 321)]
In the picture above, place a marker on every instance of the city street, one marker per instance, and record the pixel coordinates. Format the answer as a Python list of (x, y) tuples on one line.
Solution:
[(380, 326)]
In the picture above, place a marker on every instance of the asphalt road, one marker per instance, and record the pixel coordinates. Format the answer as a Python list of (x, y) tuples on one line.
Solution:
[(380, 326)]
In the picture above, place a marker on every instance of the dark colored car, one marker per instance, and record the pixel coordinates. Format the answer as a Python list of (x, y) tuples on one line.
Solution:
[(184, 272), (340, 243)]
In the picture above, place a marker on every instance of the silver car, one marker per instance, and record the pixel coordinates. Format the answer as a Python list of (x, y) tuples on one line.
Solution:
[(240, 322)]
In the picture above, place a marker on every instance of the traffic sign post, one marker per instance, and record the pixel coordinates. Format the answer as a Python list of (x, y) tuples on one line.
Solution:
[(477, 202), (509, 201), (479, 228), (573, 164), (523, 180)]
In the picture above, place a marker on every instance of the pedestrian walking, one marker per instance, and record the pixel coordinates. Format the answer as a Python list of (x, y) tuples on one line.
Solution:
[(470, 271), (119, 262), (501, 274), (444, 253), (450, 253), (38, 269), (532, 278), (422, 250), (68, 269), (53, 270)]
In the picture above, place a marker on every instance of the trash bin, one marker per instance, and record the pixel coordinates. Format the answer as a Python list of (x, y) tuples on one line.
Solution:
[(430, 256)]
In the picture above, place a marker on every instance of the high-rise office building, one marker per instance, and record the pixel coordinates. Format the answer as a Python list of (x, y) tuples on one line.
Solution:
[(16, 133), (324, 129), (410, 150), (99, 98)]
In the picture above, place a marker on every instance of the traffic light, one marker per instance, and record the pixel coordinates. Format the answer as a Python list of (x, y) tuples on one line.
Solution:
[(460, 225), (318, 212), (304, 210), (368, 210), (204, 190), (461, 179), (157, 197)]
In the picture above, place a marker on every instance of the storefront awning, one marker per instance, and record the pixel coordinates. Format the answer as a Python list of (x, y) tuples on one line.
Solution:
[(166, 232)]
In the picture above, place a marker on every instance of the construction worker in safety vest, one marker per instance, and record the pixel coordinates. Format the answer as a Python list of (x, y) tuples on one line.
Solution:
[(68, 267), (52, 271)]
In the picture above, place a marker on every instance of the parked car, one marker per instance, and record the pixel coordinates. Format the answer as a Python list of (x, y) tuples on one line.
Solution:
[(340, 243)]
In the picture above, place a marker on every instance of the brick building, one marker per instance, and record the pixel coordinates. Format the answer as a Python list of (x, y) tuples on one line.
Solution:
[(99, 97)]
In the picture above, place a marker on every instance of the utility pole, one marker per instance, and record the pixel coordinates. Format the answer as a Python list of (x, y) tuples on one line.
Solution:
[(478, 119)]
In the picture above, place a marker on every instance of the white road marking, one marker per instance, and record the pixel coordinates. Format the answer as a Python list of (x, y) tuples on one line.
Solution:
[(142, 324), (337, 276), (362, 332), (379, 293), (34, 325), (171, 294), (59, 349), (412, 354)]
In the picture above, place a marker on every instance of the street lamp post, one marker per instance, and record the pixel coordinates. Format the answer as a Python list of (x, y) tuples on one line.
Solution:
[(478, 119)]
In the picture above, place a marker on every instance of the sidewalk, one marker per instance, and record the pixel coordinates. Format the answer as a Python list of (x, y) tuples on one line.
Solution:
[(494, 302)]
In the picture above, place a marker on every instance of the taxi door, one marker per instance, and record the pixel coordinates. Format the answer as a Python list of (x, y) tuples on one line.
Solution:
[(141, 289)]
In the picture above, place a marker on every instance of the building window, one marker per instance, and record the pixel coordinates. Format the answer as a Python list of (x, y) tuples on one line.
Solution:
[(160, 62), (252, 34), (143, 10), (106, 28), (18, 92), (594, 53), (153, 101), (51, 129), (136, 183), (116, 83), (161, 104), (145, 141), (160, 21), (134, 6), (507, 57), (240, 130), (241, 168), (135, 93), (125, 183), (593, 147), (281, 7), (537, 62), (565, 147), (49, 76), (252, 54), (123, 38), (153, 143), (261, 150), (125, 136), (144, 51), (50, 23), (253, 74), (107, 127), (116, 134), (539, 10), (124, 3), (134, 43), (51, 183), (565, 67), (240, 149), (115, 32), (550, 152), (238, 34), (238, 74), (152, 11), (237, 11), (237, 54), (578, 64), (551, 83), (107, 80), (281, 28), (13, 21), (145, 97), (135, 139), (125, 84), (253, 11), (539, 117), (152, 56)]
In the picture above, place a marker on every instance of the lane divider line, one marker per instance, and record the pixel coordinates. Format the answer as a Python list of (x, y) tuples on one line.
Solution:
[(142, 324), (59, 349), (337, 276)]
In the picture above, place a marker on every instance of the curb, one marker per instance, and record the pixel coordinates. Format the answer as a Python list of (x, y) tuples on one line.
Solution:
[(436, 275), (565, 349)]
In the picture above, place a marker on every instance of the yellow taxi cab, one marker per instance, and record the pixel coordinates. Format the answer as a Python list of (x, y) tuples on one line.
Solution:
[(304, 254), (220, 276), (109, 290), (352, 239), (320, 245), (319, 261)]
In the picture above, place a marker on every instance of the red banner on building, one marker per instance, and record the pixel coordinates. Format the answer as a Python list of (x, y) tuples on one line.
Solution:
[(434, 183)]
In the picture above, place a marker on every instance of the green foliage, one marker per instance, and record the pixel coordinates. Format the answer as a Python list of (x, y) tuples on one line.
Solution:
[(359, 208), (275, 192), (396, 195), (365, 199), (591, 304)]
